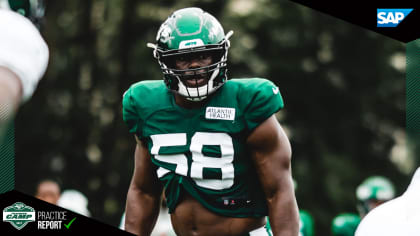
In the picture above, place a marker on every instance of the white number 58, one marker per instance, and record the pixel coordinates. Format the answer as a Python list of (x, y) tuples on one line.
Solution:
[(199, 160)]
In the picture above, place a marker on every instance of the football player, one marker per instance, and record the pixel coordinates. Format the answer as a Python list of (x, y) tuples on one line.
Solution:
[(74, 200), (214, 145), (399, 216), (345, 224), (372, 192), (48, 190), (23, 55)]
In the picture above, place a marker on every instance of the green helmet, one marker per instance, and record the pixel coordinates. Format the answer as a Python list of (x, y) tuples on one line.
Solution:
[(345, 224), (306, 225), (187, 32), (375, 187), (32, 9), (376, 190)]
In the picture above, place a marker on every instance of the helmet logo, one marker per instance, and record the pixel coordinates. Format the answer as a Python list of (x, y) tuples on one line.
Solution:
[(190, 43)]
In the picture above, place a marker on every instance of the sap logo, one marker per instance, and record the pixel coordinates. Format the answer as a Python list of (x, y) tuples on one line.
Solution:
[(391, 17)]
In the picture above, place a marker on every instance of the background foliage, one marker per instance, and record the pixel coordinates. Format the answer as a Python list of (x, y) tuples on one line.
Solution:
[(344, 91)]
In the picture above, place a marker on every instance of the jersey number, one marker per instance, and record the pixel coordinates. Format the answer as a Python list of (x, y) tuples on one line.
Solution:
[(199, 160)]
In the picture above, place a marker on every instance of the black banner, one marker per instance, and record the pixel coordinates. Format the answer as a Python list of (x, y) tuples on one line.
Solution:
[(398, 20), (26, 215)]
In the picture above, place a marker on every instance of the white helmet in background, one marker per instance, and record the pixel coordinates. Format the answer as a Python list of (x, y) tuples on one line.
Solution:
[(74, 200)]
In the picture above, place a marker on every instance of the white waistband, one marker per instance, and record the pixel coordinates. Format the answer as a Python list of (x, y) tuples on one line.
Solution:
[(262, 231)]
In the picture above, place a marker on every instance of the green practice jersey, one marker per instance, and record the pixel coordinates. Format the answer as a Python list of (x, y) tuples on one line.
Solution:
[(203, 151)]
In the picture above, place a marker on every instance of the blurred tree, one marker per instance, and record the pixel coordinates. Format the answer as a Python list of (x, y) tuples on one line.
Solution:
[(343, 87)]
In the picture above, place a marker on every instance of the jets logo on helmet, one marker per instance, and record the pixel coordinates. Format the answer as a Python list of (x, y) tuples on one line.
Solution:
[(187, 32), (191, 43)]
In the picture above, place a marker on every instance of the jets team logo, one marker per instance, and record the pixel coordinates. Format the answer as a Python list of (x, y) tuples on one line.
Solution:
[(18, 215)]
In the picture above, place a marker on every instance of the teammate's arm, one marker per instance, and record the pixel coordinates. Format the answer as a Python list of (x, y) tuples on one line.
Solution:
[(10, 96), (271, 153), (143, 198)]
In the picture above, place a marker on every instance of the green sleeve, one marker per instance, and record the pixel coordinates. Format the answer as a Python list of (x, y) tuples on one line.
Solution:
[(130, 113), (264, 99)]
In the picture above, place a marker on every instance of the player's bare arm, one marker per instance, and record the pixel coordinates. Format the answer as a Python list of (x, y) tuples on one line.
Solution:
[(23, 57), (10, 91), (271, 152), (143, 198)]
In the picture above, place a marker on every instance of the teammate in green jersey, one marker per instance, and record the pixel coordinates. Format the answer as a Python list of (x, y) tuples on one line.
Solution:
[(372, 192), (212, 144)]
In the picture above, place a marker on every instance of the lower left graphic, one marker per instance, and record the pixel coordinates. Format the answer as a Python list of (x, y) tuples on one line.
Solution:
[(19, 215)]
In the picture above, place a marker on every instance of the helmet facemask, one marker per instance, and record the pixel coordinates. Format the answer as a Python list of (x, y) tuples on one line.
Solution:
[(215, 73)]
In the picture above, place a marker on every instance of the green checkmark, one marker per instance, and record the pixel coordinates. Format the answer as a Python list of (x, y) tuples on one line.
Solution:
[(69, 224)]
